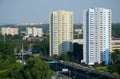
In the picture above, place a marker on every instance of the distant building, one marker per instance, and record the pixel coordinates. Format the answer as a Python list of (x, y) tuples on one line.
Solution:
[(30, 24), (115, 44), (61, 32), (97, 35), (34, 31), (9, 30), (79, 41), (79, 31), (29, 31)]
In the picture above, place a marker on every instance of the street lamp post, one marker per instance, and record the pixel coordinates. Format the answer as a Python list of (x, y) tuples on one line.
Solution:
[(69, 73), (75, 74), (22, 52), (86, 75)]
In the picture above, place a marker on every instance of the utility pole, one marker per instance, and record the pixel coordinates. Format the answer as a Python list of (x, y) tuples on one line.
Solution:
[(4, 39), (22, 52)]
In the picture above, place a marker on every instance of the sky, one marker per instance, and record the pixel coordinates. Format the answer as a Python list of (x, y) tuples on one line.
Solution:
[(27, 11)]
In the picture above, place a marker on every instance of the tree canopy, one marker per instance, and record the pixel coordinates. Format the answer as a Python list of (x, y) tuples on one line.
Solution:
[(115, 67), (35, 68)]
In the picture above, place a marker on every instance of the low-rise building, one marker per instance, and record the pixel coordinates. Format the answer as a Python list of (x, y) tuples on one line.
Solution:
[(9, 30), (115, 44), (78, 31), (34, 31), (79, 41)]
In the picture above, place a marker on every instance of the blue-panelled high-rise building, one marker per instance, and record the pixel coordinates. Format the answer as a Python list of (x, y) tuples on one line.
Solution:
[(97, 35)]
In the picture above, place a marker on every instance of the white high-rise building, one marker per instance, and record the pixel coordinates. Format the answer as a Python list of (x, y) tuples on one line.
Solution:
[(34, 31), (9, 30), (97, 35), (61, 32)]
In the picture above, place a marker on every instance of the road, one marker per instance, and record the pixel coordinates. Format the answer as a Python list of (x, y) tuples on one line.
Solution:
[(76, 71)]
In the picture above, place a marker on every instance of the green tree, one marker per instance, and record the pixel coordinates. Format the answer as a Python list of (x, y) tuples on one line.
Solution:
[(116, 55), (6, 55), (116, 30), (33, 69), (115, 67), (36, 69), (16, 71), (78, 52), (3, 74), (64, 56), (41, 46)]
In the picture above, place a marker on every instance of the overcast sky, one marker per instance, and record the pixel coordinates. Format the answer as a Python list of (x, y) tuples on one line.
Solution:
[(21, 11)]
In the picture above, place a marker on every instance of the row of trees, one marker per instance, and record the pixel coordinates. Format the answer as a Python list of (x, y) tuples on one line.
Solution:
[(41, 46), (115, 67), (74, 56), (34, 68), (6, 53), (116, 30)]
